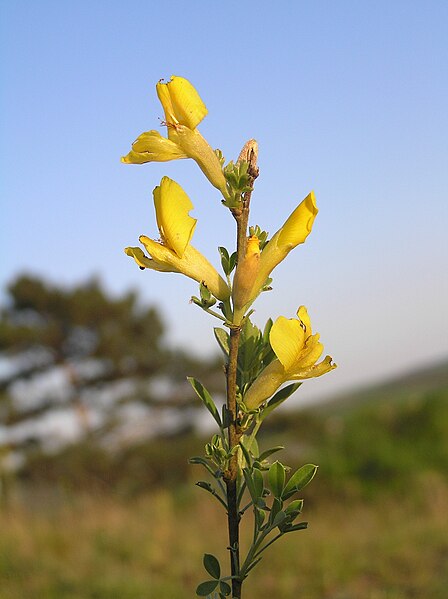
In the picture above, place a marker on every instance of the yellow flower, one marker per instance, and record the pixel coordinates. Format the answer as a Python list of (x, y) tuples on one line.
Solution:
[(184, 110), (294, 232), (297, 351), (174, 253)]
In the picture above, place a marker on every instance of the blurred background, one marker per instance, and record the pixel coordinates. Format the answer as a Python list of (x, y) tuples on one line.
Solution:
[(96, 419)]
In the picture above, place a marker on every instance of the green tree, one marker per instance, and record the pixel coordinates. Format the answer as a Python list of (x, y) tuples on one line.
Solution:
[(92, 365)]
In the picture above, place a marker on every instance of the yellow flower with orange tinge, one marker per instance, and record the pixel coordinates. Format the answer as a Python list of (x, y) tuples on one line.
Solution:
[(174, 252), (248, 284), (297, 351), (184, 110)]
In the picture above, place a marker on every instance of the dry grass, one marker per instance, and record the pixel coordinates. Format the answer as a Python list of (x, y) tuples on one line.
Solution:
[(98, 548)]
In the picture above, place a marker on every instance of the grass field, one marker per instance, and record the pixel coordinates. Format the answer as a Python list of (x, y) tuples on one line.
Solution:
[(377, 513), (100, 548)]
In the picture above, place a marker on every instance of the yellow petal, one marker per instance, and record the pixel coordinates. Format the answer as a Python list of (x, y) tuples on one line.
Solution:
[(302, 313), (192, 264), (165, 99), (310, 354), (186, 103), (298, 226), (172, 207), (143, 261), (287, 339), (161, 255), (153, 147), (314, 371)]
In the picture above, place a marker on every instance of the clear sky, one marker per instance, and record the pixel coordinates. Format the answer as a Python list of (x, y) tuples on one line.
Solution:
[(347, 98)]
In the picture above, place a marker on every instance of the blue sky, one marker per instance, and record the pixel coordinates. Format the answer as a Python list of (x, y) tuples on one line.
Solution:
[(346, 98)]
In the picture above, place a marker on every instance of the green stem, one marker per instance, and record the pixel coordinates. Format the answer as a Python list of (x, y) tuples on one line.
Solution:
[(241, 216), (280, 534)]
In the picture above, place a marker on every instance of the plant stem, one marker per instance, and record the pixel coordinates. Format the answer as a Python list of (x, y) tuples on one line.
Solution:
[(241, 216), (231, 478)]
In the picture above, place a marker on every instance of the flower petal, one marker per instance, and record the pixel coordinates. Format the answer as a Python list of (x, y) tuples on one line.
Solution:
[(302, 313), (313, 371), (187, 105), (172, 207), (287, 339), (143, 261), (153, 147), (298, 226)]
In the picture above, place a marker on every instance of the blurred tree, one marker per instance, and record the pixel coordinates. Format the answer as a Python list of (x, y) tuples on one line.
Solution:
[(77, 365)]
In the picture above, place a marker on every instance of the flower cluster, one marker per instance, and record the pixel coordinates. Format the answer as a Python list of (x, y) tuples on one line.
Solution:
[(296, 349)]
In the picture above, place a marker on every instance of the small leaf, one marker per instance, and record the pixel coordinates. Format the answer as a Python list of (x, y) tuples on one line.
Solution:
[(279, 517), (299, 526), (260, 515), (267, 330), (202, 484), (246, 454), (294, 508), (277, 505), (250, 484), (258, 482), (222, 338), (232, 261), (211, 564), (206, 398), (276, 477), (207, 587), (226, 416), (299, 480), (269, 452), (224, 588), (198, 460), (279, 398)]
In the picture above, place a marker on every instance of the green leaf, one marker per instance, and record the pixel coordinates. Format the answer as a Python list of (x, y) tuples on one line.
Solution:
[(246, 454), (206, 398), (198, 460), (294, 508), (258, 482), (279, 398), (267, 330), (299, 526), (232, 261), (211, 564), (222, 338), (202, 484), (250, 484), (226, 416), (276, 477), (250, 443), (299, 480), (277, 505), (270, 451), (207, 587), (225, 588), (225, 260), (279, 518), (260, 515)]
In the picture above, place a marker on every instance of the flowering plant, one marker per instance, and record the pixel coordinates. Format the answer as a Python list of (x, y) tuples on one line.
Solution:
[(258, 362)]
